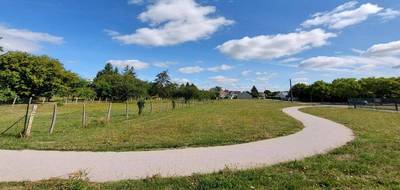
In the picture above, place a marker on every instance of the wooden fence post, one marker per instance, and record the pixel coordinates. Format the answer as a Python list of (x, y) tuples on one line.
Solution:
[(15, 100), (396, 105), (84, 115), (27, 132), (126, 110), (109, 112), (151, 106), (53, 120), (26, 115)]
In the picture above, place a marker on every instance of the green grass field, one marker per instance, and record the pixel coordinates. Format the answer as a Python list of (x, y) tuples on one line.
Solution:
[(213, 123), (371, 161)]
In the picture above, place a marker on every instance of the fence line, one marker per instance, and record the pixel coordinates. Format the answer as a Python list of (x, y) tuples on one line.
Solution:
[(375, 103), (81, 113)]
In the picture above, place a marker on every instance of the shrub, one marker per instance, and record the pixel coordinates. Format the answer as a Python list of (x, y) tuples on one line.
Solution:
[(173, 104), (140, 104), (6, 95)]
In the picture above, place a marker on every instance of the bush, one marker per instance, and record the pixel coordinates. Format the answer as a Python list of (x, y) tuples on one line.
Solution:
[(60, 103), (140, 104), (173, 104), (6, 95)]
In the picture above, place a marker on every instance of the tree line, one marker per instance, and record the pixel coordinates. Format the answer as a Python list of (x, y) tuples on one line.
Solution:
[(26, 75), (342, 89)]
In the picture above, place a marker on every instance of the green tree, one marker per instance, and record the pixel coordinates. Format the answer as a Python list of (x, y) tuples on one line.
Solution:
[(213, 93), (109, 83), (345, 88), (320, 91), (254, 92), (6, 95), (129, 86), (301, 91), (162, 86), (28, 75), (105, 81), (188, 91), (267, 93)]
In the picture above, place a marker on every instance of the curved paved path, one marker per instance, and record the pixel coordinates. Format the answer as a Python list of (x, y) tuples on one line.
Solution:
[(318, 136)]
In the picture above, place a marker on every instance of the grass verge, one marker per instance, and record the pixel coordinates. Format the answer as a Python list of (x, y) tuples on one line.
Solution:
[(215, 123)]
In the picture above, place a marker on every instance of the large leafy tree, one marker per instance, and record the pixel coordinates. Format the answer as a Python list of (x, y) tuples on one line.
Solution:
[(301, 91), (345, 88), (340, 90), (188, 91), (213, 93), (74, 86), (29, 75), (109, 83), (380, 88), (6, 95), (105, 81), (320, 91), (129, 86)]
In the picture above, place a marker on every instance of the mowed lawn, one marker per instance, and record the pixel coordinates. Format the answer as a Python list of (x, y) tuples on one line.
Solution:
[(371, 161), (200, 124)]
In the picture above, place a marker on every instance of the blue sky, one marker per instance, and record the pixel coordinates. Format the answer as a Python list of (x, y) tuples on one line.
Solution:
[(230, 43)]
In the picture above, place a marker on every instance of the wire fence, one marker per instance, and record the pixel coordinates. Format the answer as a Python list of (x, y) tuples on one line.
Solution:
[(375, 103), (58, 116)]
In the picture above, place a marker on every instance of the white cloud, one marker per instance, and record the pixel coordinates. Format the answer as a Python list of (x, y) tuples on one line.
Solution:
[(291, 59), (190, 70), (300, 73), (385, 49), (246, 72), (173, 22), (164, 64), (265, 76), (303, 80), (275, 46), (25, 40), (198, 69), (135, 2), (343, 16), (377, 56), (222, 80), (219, 68), (181, 80), (138, 65), (111, 32), (328, 63), (358, 51), (389, 14), (348, 63)]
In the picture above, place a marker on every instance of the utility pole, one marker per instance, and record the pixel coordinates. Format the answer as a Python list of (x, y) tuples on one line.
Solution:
[(291, 92)]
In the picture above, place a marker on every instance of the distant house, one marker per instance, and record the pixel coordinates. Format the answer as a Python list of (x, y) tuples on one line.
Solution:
[(234, 94), (261, 95), (244, 95), (224, 94), (283, 95)]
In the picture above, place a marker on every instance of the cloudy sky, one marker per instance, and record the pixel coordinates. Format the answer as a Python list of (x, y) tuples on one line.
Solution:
[(230, 43)]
